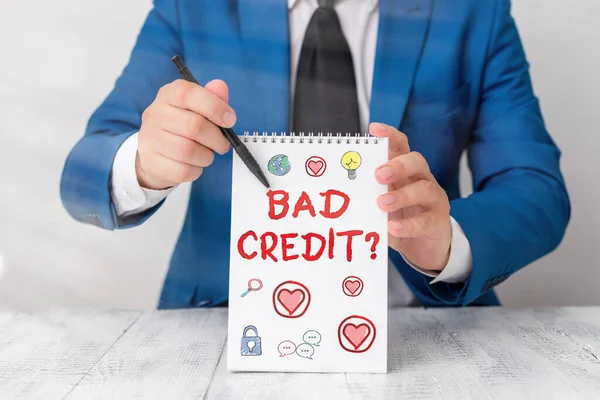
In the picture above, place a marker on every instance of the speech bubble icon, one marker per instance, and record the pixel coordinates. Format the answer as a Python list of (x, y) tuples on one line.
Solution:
[(286, 348), (312, 337), (305, 350)]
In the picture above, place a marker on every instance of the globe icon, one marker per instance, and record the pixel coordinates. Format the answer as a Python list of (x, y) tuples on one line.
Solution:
[(279, 165)]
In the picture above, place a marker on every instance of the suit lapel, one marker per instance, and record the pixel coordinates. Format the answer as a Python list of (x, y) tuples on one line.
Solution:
[(400, 40), (265, 63)]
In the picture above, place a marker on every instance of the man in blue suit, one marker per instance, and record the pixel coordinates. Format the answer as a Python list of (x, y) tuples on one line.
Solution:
[(437, 77)]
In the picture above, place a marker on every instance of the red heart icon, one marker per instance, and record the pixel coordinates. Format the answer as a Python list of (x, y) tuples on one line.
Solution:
[(291, 300), (352, 286), (315, 166), (356, 334)]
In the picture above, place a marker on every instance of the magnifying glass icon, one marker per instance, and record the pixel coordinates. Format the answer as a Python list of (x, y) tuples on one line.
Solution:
[(254, 285)]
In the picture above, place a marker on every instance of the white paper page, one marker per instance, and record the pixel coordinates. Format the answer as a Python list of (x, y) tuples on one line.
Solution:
[(344, 301)]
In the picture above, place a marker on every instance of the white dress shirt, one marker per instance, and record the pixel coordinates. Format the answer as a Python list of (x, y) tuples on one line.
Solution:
[(359, 21)]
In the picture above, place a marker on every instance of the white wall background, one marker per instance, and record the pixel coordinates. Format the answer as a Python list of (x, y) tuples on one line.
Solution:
[(59, 58)]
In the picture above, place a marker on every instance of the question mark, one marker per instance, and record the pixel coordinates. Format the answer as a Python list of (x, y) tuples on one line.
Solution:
[(375, 237)]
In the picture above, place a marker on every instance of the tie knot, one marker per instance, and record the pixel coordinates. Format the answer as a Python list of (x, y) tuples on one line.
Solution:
[(326, 3)]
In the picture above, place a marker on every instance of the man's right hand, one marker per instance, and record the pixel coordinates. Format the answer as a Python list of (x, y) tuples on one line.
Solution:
[(179, 133)]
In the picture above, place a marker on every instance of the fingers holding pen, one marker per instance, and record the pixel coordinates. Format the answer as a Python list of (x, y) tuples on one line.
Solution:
[(180, 133), (190, 125), (200, 100)]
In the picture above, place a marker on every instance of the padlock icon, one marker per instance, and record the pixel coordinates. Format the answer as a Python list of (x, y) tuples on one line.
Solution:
[(251, 345)]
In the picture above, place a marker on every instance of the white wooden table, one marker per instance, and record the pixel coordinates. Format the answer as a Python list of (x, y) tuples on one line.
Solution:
[(475, 353)]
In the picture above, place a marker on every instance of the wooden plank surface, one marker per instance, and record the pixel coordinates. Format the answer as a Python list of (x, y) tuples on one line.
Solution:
[(475, 353), (166, 354), (42, 356), (486, 353), (252, 385)]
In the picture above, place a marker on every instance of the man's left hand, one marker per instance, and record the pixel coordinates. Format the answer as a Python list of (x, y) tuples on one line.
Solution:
[(418, 208)]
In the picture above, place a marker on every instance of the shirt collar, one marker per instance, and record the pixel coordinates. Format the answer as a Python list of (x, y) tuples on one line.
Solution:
[(372, 3)]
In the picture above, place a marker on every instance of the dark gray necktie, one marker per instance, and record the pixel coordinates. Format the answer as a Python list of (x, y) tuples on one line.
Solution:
[(325, 98)]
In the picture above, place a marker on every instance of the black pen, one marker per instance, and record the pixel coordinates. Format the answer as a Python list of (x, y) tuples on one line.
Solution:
[(231, 136)]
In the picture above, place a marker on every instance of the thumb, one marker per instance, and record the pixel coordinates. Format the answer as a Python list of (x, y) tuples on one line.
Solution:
[(219, 88)]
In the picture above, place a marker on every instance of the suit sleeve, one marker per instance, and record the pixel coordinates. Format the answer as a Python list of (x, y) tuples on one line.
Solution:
[(520, 207), (86, 178)]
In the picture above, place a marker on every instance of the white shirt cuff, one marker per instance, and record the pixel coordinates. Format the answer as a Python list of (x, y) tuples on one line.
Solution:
[(460, 262), (127, 195)]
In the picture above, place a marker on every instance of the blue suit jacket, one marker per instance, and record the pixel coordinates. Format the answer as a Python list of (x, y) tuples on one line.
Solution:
[(451, 74)]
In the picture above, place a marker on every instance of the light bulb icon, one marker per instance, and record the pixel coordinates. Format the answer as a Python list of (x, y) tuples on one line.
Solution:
[(351, 161)]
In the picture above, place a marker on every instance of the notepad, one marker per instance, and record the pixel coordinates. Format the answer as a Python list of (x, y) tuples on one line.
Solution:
[(308, 269)]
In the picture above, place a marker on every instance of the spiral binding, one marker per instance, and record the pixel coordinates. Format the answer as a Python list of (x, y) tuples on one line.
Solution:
[(320, 137)]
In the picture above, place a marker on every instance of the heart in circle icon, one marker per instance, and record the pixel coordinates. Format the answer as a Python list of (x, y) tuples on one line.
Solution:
[(352, 286), (356, 334), (315, 166), (291, 299)]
